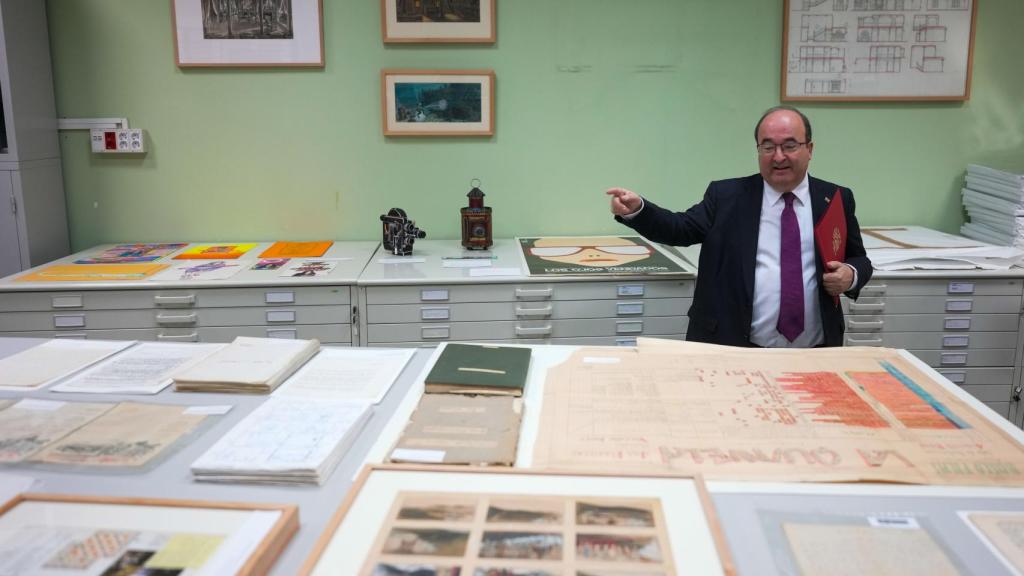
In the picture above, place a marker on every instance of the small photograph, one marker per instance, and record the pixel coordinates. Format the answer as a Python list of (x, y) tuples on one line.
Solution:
[(438, 101), (247, 19), (132, 563), (525, 512), (270, 263), (513, 572), (74, 555), (617, 548), (594, 514), (425, 542), (438, 10), (521, 545), (383, 569), (437, 507)]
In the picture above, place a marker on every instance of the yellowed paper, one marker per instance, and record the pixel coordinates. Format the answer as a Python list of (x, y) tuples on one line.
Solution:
[(839, 550), (130, 434), (826, 414), (185, 551), (26, 429), (1005, 531)]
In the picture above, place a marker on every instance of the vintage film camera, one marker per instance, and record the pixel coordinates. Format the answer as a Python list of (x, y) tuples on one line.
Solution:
[(399, 232)]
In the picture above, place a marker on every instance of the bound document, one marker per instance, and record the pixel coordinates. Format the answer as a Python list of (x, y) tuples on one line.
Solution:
[(247, 365), (479, 369), (830, 233), (457, 429)]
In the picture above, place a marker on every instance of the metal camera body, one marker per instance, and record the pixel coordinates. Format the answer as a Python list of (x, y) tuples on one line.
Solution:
[(399, 232)]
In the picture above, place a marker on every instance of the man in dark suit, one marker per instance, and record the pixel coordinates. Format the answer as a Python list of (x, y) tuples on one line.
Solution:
[(760, 280)]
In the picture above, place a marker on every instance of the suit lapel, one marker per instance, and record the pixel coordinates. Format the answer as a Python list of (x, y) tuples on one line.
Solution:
[(750, 219)]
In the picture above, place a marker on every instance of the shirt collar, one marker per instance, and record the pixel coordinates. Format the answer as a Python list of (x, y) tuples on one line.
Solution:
[(802, 193)]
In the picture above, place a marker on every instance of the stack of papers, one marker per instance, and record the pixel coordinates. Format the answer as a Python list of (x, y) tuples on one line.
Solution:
[(914, 247), (285, 441), (994, 200), (247, 365), (53, 360)]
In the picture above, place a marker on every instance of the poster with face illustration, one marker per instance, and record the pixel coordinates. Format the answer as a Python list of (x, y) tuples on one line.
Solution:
[(595, 256)]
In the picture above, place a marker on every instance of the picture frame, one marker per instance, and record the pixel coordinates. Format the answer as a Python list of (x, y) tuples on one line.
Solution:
[(907, 50), (623, 255), (676, 520), (223, 33), (424, 21), (227, 537), (437, 102)]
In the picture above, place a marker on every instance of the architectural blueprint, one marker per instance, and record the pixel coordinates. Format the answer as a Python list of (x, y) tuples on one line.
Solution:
[(850, 49)]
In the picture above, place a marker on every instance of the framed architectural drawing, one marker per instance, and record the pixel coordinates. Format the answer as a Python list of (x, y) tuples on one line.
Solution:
[(859, 50), (49, 533), (429, 520), (448, 21), (248, 33), (438, 102)]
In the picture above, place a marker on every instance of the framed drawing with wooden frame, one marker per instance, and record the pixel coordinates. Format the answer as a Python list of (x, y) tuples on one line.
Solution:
[(437, 21), (437, 102), (444, 520), (51, 533), (915, 50), (236, 33)]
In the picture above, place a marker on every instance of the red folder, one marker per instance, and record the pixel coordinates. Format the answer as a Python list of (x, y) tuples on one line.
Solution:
[(830, 232)]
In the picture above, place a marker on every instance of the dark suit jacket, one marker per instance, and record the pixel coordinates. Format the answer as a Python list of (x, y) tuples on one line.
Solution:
[(727, 222)]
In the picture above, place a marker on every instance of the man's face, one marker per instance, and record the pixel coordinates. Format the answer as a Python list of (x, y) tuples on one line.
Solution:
[(784, 171)]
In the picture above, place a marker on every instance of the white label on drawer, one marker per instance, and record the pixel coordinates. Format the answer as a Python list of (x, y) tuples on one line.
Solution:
[(960, 288), (601, 360), (213, 410), (959, 305), (75, 321), (953, 359), (629, 308), (893, 522), (435, 332), (430, 295), (280, 316), (434, 313), (955, 377), (958, 324), (411, 455), (956, 341), (283, 334), (280, 297), (631, 290), (625, 341), (629, 327), (67, 301)]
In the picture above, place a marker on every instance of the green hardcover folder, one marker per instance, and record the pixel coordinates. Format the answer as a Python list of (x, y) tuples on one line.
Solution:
[(474, 369)]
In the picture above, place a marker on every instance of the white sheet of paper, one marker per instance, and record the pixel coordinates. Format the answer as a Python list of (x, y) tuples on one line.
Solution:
[(467, 263), (52, 360), (401, 260), (201, 270), (495, 272), (348, 374), (145, 369)]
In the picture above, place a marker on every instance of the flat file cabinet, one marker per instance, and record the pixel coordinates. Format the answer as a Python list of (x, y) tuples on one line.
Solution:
[(251, 303), (966, 325), (417, 300)]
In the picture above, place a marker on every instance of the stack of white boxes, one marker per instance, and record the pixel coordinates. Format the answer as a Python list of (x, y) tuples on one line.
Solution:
[(994, 200)]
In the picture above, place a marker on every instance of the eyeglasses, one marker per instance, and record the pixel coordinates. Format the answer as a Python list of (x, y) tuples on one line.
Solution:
[(553, 251), (788, 147)]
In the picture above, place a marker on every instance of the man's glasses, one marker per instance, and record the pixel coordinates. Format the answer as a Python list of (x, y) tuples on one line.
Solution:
[(552, 251), (788, 147)]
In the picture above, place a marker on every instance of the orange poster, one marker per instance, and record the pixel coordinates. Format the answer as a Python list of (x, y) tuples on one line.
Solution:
[(214, 251), (92, 272), (297, 249)]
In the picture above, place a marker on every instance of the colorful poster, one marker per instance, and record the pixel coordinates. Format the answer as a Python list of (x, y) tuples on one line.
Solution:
[(300, 268), (126, 253), (92, 273), (214, 251), (297, 249), (594, 256), (269, 263), (215, 270)]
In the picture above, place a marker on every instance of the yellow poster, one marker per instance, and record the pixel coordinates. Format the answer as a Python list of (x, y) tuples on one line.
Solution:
[(214, 251)]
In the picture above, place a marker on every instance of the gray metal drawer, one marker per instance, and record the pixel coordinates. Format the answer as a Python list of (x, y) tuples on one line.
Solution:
[(555, 310), (979, 376), (1001, 408), (115, 319), (966, 358), (456, 293), (177, 298), (533, 330), (326, 333), (939, 287), (862, 323), (934, 340), (934, 305)]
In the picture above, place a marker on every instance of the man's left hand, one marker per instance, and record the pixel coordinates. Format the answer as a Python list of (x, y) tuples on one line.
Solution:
[(838, 279)]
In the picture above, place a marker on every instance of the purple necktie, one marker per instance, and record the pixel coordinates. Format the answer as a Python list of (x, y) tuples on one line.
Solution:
[(791, 277)]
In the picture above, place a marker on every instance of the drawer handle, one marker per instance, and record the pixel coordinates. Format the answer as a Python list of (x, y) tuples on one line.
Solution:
[(187, 319), (874, 289), (865, 325), (955, 377), (545, 311), (865, 342), (542, 331), (877, 307), (953, 360), (187, 300), (193, 337), (534, 293)]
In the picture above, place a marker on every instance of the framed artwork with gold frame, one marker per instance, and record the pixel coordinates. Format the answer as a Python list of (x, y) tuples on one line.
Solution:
[(438, 21)]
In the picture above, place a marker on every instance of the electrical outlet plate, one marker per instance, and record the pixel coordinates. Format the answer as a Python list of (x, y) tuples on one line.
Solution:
[(118, 141)]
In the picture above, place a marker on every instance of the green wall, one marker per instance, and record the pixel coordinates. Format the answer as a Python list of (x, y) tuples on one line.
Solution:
[(299, 154)]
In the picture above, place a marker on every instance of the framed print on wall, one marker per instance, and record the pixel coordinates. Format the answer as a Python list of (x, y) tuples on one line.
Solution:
[(854, 50), (438, 102), (248, 33), (442, 21)]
